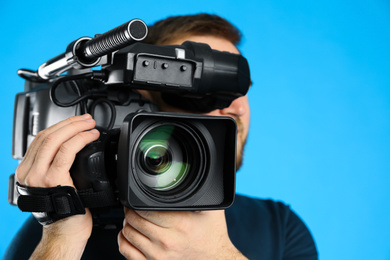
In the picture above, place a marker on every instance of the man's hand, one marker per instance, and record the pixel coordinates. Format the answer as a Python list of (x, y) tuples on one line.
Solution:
[(176, 235), (46, 164)]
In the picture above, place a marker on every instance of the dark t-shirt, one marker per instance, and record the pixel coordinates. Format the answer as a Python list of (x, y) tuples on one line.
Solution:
[(260, 229)]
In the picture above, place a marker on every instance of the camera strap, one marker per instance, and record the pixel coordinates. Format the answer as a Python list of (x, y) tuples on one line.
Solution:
[(51, 204)]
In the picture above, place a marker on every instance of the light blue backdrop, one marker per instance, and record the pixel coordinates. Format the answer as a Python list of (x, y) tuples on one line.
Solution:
[(320, 131)]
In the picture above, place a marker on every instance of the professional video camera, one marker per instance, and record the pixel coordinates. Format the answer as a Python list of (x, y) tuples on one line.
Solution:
[(144, 159)]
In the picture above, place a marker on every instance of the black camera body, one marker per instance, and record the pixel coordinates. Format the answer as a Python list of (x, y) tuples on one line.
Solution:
[(163, 161), (145, 159)]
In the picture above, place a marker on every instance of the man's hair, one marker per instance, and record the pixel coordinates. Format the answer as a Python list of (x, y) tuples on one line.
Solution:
[(176, 27)]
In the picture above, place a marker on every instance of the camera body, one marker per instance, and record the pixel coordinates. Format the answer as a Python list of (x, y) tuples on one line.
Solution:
[(145, 158), (163, 161)]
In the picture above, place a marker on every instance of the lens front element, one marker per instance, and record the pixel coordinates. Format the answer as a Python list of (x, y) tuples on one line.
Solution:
[(165, 155), (157, 159)]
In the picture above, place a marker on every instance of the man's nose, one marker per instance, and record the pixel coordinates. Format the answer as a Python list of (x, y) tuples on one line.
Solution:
[(237, 108)]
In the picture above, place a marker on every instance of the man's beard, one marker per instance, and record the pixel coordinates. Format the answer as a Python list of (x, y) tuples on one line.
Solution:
[(241, 141)]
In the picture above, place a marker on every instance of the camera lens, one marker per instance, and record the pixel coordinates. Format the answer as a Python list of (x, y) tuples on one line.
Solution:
[(157, 159), (168, 159)]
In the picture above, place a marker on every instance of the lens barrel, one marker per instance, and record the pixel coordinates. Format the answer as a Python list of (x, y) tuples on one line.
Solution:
[(173, 161)]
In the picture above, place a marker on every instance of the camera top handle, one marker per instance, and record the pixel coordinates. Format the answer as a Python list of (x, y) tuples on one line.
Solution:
[(86, 52)]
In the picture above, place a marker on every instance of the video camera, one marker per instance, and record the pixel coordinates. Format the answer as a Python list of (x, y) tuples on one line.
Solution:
[(144, 159)]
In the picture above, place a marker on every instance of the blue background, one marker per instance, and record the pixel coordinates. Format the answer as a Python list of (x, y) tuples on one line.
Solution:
[(319, 138)]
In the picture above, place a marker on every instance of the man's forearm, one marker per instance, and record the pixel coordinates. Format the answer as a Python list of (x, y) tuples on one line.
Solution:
[(58, 248), (63, 240)]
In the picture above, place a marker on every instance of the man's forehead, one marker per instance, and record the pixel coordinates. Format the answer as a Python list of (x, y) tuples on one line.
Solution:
[(217, 43)]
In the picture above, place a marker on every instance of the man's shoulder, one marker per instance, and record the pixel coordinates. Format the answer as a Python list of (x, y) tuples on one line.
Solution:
[(248, 214), (264, 207), (270, 216), (241, 199), (268, 229)]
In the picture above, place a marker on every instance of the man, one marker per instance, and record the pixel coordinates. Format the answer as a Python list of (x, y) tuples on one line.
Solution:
[(251, 228)]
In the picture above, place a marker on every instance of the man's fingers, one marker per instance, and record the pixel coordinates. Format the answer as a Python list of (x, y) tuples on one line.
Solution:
[(63, 160), (44, 148), (126, 248), (34, 146), (53, 141), (30, 156), (141, 224), (165, 218)]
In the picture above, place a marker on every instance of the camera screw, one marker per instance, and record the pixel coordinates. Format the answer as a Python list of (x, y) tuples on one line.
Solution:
[(165, 65), (146, 63)]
